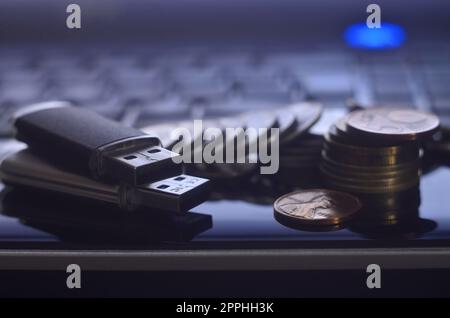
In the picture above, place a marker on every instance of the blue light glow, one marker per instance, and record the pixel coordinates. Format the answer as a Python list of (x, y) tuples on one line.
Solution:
[(388, 36)]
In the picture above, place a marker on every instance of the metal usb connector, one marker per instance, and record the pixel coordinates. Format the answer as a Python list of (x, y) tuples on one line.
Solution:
[(135, 165)]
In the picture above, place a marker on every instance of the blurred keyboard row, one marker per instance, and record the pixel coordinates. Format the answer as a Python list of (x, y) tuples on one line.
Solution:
[(142, 86)]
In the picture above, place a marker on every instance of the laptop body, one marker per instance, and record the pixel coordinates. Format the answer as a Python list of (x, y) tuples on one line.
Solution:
[(97, 67)]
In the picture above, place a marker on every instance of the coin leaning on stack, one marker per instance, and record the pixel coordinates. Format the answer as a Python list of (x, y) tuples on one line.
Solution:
[(375, 154), (292, 121)]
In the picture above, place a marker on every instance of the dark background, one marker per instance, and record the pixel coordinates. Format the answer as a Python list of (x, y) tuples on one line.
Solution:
[(216, 21)]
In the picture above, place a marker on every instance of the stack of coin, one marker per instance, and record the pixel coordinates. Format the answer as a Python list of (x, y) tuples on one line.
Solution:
[(375, 154)]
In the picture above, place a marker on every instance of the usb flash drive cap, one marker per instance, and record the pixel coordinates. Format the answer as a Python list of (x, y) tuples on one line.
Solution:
[(85, 141)]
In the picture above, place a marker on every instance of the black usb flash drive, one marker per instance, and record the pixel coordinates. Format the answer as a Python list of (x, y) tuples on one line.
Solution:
[(92, 144), (176, 194)]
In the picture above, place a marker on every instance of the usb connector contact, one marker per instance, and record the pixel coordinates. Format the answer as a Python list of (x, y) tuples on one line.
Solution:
[(94, 145)]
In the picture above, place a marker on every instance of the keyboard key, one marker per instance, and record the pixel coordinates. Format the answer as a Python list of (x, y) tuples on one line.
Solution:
[(166, 108), (438, 84), (394, 99), (49, 63), (78, 91), (141, 90), (198, 89), (110, 108), (441, 105), (19, 92), (21, 74), (328, 85)]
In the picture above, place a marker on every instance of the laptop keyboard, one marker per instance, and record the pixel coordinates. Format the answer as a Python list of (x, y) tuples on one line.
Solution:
[(140, 87)]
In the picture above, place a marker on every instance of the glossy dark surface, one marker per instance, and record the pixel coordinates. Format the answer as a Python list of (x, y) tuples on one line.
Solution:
[(239, 224), (327, 74)]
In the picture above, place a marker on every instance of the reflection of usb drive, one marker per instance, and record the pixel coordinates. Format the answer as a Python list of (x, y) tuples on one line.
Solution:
[(91, 143), (177, 194), (83, 222)]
